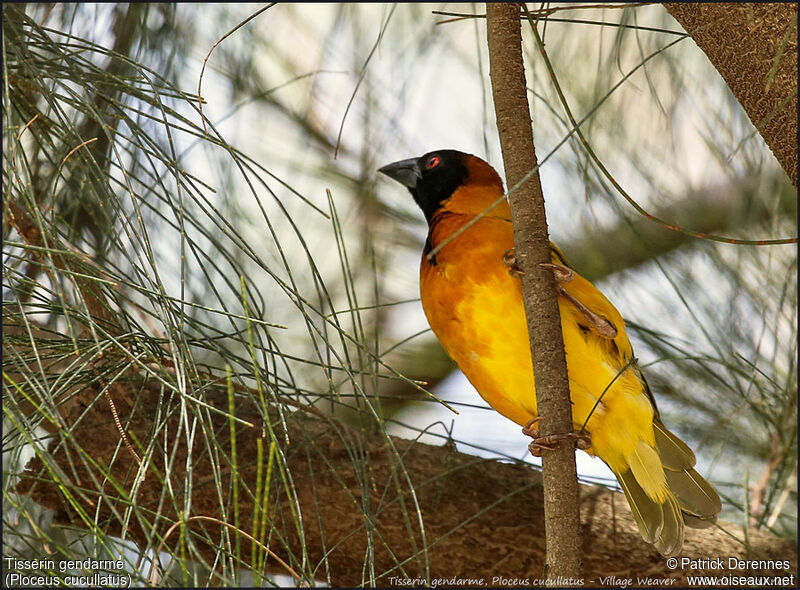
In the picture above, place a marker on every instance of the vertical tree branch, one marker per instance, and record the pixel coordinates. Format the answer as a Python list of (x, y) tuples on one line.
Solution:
[(561, 503)]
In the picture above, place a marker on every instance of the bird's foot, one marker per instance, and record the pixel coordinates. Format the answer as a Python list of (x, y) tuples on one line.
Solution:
[(597, 323), (510, 260), (529, 430), (562, 274), (583, 439)]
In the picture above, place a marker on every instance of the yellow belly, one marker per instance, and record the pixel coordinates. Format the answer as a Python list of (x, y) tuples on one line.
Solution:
[(475, 308)]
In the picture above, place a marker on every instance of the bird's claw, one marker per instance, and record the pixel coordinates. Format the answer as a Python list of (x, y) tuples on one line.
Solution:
[(597, 323), (562, 274), (510, 260), (601, 325), (529, 430), (583, 439)]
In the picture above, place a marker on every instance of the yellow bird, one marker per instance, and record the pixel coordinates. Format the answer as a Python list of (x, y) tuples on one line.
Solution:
[(473, 302)]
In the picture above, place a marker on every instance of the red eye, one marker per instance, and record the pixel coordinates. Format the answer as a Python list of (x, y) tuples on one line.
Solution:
[(433, 162)]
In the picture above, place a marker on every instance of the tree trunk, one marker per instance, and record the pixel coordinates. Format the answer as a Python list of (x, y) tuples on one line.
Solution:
[(754, 48)]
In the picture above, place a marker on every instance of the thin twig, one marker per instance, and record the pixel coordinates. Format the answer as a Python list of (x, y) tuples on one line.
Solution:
[(154, 563), (590, 151), (784, 497), (213, 47), (545, 12)]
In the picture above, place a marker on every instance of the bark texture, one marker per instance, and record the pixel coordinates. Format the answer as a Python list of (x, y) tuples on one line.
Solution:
[(754, 47), (561, 494)]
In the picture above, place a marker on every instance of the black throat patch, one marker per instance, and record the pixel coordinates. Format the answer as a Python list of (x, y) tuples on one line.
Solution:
[(427, 249)]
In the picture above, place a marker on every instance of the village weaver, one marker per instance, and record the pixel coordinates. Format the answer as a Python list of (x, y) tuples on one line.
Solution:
[(472, 297)]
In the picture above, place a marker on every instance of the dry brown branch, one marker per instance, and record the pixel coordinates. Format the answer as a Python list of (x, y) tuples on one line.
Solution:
[(91, 291), (562, 520), (758, 490)]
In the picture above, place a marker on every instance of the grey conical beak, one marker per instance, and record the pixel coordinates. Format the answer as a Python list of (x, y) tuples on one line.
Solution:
[(406, 172)]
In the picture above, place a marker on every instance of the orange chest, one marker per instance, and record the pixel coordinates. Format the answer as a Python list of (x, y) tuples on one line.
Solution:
[(470, 261)]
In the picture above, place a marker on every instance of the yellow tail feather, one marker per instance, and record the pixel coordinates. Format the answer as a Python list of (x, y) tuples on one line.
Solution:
[(674, 453), (665, 492), (646, 513), (660, 523), (698, 500), (648, 471)]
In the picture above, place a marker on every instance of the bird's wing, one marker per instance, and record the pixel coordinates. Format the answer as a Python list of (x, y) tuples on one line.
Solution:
[(618, 349)]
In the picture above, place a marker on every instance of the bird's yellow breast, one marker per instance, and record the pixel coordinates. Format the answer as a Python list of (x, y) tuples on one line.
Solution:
[(475, 308)]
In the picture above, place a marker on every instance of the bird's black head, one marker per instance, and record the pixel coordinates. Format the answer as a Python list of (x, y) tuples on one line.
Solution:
[(431, 178)]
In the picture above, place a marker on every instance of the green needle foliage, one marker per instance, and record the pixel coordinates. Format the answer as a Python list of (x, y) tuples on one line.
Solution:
[(138, 292), (206, 333)]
